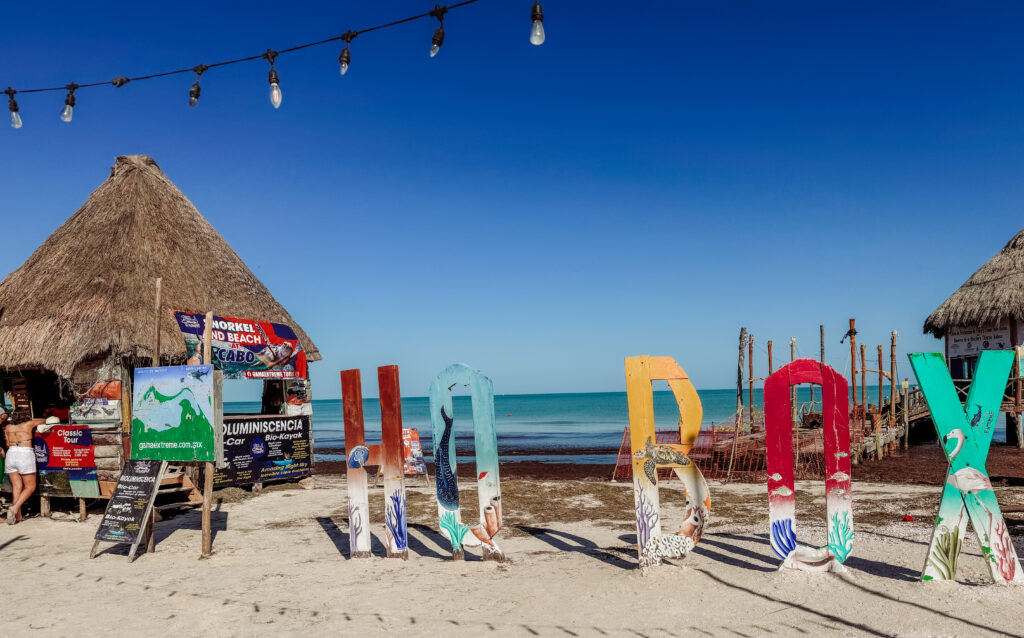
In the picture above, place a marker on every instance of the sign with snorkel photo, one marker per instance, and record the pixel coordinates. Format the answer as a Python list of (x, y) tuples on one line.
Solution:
[(245, 348)]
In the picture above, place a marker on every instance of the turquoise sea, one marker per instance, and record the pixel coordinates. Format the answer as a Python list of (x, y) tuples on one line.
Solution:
[(578, 427)]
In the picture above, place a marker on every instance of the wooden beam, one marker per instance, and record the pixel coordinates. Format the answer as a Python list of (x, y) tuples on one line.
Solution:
[(208, 469)]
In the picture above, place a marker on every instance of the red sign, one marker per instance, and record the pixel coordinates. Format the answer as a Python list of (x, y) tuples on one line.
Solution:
[(68, 447), (413, 452)]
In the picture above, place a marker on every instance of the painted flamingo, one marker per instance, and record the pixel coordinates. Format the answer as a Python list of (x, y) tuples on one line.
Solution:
[(967, 479)]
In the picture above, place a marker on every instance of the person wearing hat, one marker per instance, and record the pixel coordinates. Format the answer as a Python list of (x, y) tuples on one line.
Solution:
[(20, 461)]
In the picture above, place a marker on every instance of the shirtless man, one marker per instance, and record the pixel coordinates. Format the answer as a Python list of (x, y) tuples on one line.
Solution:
[(20, 464)]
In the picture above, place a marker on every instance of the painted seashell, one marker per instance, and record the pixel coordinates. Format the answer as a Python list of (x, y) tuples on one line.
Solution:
[(480, 533), (358, 457), (491, 522)]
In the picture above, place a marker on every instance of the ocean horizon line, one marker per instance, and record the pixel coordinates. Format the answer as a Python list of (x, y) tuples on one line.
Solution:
[(550, 394)]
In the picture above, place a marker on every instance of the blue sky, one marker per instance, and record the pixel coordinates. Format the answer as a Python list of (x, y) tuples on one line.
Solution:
[(653, 177)]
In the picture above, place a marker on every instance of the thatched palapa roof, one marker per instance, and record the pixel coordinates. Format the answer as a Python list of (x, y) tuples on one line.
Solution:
[(994, 291), (89, 289)]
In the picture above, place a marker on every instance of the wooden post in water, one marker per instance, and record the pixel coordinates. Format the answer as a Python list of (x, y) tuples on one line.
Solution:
[(863, 387), (792, 389), (881, 379), (792, 411), (878, 422), (892, 385), (208, 469), (821, 329), (739, 402), (750, 379), (906, 415), (770, 366), (853, 372)]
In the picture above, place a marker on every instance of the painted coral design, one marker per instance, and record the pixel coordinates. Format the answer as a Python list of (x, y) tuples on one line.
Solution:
[(455, 529), (355, 524), (783, 537), (394, 519), (945, 552), (840, 536), (646, 518), (1002, 550)]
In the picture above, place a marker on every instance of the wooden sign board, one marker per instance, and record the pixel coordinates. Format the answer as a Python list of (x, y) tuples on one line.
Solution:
[(648, 456), (129, 508), (778, 426), (965, 434), (358, 455), (177, 414), (442, 419)]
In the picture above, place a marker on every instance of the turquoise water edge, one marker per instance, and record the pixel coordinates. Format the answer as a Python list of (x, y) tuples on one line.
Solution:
[(577, 427)]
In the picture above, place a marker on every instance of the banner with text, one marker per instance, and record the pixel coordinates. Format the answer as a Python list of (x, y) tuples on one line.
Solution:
[(244, 348), (129, 505), (260, 449), (66, 462)]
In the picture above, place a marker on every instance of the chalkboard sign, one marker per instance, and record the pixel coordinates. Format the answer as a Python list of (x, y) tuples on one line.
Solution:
[(128, 509), (260, 449)]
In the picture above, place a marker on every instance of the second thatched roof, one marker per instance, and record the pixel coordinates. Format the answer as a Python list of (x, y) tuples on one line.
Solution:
[(88, 290), (994, 291)]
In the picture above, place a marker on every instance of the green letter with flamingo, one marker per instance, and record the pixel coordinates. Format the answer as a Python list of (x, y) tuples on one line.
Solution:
[(965, 433)]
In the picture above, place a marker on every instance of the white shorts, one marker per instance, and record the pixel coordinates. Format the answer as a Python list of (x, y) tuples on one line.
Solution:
[(20, 460)]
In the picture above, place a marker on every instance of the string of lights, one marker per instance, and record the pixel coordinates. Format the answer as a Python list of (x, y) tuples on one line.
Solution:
[(270, 55)]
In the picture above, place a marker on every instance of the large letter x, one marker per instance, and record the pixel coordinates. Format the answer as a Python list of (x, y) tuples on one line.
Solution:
[(965, 435)]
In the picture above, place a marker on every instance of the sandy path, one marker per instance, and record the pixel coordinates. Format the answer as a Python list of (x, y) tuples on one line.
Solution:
[(280, 566)]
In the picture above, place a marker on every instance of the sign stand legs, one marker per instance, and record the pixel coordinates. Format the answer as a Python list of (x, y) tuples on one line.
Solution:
[(208, 468), (207, 497)]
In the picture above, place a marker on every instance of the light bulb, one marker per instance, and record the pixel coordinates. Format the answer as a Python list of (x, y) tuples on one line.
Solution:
[(537, 33), (15, 120), (193, 94), (275, 88), (436, 41), (344, 60), (69, 103)]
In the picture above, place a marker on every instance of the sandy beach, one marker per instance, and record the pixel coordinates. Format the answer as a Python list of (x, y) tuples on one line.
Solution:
[(281, 564)]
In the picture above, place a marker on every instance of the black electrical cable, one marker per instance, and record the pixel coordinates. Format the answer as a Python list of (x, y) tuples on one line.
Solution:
[(121, 81)]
